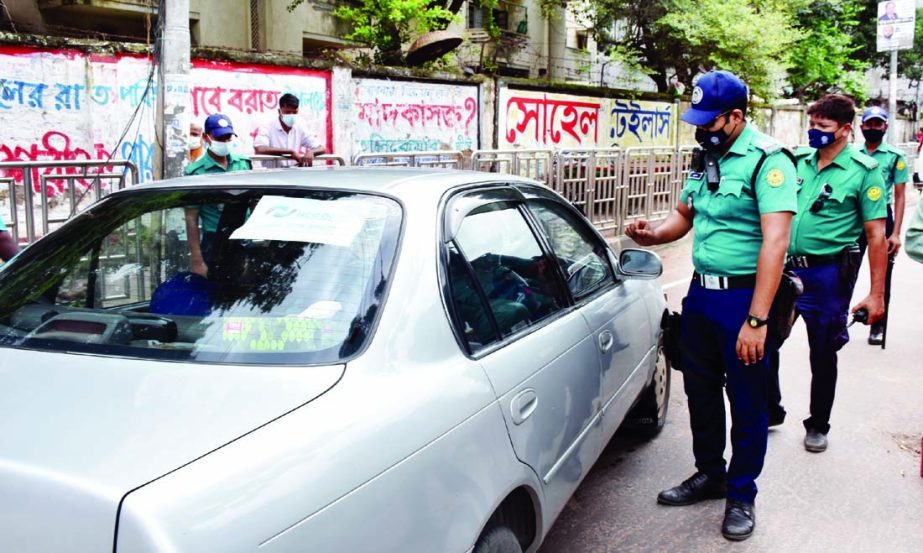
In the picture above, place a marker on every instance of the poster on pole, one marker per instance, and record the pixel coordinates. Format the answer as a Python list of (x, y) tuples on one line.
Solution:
[(896, 21)]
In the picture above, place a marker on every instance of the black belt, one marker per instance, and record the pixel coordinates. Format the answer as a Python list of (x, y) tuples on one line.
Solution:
[(713, 282), (806, 261)]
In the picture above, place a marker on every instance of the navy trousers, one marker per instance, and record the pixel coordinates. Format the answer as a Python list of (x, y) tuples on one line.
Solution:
[(824, 306), (711, 322)]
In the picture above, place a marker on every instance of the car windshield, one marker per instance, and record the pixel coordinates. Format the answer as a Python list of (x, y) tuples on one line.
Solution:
[(253, 276)]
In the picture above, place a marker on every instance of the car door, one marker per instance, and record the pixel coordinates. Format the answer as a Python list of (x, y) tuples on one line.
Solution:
[(511, 312), (614, 310)]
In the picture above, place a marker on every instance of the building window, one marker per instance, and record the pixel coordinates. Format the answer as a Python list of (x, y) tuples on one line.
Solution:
[(582, 40)]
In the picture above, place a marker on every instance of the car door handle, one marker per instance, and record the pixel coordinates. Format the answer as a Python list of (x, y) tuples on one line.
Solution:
[(523, 405), (605, 341)]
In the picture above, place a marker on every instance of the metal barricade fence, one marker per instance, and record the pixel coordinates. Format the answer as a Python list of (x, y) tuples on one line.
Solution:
[(534, 164), (590, 180), (443, 159), (652, 179), (612, 186), (93, 176), (281, 162)]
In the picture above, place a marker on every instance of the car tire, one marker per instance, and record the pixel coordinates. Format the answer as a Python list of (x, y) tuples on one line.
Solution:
[(647, 417), (498, 539)]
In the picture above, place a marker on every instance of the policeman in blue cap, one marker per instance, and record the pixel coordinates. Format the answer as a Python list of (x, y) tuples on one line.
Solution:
[(219, 158), (739, 199), (893, 166)]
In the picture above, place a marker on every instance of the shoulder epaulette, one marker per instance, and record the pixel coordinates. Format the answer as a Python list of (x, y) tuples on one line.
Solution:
[(804, 151), (865, 160), (193, 166), (766, 144)]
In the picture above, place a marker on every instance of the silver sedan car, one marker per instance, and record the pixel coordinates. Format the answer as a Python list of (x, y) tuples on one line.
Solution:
[(321, 360)]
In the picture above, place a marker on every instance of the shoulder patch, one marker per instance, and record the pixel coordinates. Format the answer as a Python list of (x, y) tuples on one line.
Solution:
[(865, 160), (766, 144), (775, 178), (901, 165), (874, 193)]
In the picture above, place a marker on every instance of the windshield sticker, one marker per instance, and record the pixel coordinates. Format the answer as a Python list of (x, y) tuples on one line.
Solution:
[(321, 310), (284, 333), (303, 220)]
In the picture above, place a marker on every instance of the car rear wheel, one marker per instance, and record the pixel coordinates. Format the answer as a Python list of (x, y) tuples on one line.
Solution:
[(498, 539), (648, 416)]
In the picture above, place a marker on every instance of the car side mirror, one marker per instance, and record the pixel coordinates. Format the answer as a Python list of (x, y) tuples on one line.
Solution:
[(640, 264)]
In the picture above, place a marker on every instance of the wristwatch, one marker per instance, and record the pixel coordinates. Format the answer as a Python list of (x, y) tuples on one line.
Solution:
[(756, 322)]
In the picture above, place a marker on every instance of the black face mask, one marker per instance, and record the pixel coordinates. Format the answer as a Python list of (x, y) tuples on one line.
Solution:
[(711, 140), (873, 135)]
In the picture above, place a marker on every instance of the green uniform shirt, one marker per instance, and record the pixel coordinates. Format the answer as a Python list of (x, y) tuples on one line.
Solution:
[(726, 222), (858, 196), (211, 214), (893, 165)]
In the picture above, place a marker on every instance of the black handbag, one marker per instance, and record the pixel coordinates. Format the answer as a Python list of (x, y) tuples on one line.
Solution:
[(783, 312), (670, 323)]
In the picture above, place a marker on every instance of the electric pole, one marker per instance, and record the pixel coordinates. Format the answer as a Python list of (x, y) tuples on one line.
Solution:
[(173, 60)]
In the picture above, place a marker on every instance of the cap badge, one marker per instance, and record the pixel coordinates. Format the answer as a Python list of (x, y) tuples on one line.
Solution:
[(697, 95), (223, 123)]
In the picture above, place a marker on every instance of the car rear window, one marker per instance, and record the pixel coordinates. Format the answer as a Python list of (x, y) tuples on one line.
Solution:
[(286, 277)]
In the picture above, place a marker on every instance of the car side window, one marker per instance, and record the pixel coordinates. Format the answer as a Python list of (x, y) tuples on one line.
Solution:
[(514, 276), (578, 250), (476, 324)]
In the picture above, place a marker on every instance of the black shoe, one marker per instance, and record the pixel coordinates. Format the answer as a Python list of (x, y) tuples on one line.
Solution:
[(876, 337), (739, 520), (697, 487), (814, 441), (776, 416)]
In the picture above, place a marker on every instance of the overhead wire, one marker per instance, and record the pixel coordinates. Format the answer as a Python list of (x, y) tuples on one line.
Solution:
[(139, 109)]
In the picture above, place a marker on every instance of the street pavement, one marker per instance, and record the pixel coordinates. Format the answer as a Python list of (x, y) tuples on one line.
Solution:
[(864, 494)]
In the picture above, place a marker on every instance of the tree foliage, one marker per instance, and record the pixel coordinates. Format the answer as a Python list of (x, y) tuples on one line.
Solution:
[(828, 57), (385, 25), (678, 39)]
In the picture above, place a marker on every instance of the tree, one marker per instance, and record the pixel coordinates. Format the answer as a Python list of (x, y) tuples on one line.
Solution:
[(678, 39), (385, 25), (828, 56)]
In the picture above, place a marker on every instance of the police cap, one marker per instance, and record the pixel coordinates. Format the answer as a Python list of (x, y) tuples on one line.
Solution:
[(715, 93)]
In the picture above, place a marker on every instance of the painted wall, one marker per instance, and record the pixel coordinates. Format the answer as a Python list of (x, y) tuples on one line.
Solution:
[(535, 119), (401, 116), (65, 105)]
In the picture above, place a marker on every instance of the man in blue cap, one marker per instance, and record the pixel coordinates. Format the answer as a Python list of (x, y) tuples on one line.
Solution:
[(739, 198), (893, 165), (219, 135), (840, 197)]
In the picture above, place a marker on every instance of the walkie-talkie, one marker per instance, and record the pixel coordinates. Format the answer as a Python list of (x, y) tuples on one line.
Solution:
[(712, 172)]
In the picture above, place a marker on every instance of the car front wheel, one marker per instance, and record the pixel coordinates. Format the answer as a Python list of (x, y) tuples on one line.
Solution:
[(498, 539), (648, 416)]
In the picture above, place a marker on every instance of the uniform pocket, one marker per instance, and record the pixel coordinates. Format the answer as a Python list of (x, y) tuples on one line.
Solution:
[(727, 197)]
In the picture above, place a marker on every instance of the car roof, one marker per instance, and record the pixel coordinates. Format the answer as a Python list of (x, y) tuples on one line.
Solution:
[(397, 181)]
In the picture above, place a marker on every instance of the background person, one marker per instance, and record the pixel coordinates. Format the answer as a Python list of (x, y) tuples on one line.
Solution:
[(286, 136), (741, 222), (219, 158), (894, 170), (841, 195), (196, 143)]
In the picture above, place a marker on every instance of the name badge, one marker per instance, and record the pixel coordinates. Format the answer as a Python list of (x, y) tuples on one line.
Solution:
[(695, 176), (712, 282)]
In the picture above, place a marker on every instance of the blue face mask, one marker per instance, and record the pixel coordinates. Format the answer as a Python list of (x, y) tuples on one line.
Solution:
[(820, 139)]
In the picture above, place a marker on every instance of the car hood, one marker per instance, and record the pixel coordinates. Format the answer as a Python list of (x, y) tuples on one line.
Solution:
[(78, 432)]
